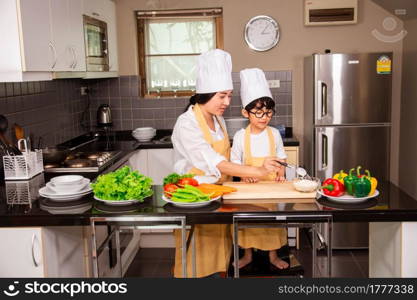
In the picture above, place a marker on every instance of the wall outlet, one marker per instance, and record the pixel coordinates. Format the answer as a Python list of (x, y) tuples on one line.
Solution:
[(84, 90), (273, 83)]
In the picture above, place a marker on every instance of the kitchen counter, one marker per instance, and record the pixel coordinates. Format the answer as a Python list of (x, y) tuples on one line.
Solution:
[(391, 205)]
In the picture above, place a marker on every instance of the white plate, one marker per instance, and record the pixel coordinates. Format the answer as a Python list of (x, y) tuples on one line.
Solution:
[(348, 198), (63, 198), (206, 179), (189, 204), (69, 190), (117, 202), (46, 190)]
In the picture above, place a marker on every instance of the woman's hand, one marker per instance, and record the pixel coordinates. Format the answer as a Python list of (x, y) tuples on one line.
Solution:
[(270, 165), (250, 179)]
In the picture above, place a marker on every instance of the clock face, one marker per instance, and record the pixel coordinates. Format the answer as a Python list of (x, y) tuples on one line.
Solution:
[(262, 33)]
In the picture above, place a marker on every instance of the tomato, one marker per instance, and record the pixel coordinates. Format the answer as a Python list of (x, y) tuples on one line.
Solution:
[(189, 181), (170, 187)]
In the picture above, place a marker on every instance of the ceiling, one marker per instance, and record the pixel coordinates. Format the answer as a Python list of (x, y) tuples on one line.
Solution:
[(410, 7)]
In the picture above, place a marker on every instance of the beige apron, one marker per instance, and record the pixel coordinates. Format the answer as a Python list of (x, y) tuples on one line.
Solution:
[(213, 242), (261, 238)]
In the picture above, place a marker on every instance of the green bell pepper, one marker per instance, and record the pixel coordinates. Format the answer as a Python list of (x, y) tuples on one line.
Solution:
[(362, 186), (349, 182)]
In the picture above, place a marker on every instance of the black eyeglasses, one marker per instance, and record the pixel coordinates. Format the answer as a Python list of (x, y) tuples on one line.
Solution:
[(260, 113)]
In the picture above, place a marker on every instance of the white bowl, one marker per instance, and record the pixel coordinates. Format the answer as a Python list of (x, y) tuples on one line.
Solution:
[(144, 130), (306, 185), (141, 136), (67, 189), (67, 180)]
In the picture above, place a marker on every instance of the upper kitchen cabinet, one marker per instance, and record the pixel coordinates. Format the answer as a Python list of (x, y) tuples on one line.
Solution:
[(105, 10), (67, 36), (26, 52)]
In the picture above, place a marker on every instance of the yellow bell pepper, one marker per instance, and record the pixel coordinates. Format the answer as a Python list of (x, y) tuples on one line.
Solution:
[(374, 182), (340, 176)]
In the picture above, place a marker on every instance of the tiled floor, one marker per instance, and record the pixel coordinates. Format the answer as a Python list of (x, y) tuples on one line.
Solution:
[(158, 262)]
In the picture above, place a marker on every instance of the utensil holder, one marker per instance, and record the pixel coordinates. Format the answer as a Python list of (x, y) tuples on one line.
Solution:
[(21, 167)]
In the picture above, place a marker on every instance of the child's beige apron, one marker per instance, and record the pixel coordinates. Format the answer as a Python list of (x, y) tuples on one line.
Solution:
[(261, 238), (213, 241)]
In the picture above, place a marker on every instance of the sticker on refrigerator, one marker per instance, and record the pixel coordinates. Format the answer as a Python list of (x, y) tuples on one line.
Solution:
[(383, 65)]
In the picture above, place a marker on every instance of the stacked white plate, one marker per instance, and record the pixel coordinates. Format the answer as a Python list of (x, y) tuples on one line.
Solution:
[(144, 134), (66, 188)]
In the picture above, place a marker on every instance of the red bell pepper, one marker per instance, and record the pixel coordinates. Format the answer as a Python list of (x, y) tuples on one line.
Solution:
[(333, 187)]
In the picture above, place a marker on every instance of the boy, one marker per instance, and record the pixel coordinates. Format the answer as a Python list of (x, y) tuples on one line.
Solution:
[(250, 147)]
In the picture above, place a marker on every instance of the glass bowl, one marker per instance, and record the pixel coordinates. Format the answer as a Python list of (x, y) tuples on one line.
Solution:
[(306, 185)]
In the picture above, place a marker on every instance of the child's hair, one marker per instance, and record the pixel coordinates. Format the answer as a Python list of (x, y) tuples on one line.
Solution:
[(260, 103)]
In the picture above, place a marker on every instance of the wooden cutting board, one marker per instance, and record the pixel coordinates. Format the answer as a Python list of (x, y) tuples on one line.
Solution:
[(270, 191)]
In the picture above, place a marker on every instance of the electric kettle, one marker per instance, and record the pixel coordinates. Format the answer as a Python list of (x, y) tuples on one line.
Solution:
[(104, 116)]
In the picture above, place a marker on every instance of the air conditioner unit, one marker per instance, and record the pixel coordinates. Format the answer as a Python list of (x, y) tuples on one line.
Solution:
[(330, 12)]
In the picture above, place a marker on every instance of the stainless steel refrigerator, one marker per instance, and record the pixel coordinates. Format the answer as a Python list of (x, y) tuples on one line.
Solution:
[(347, 111)]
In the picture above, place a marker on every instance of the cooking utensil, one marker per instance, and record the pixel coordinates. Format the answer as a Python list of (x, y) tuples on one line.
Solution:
[(4, 124), (19, 132), (300, 171), (54, 155)]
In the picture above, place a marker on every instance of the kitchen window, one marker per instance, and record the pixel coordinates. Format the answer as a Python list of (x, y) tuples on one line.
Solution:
[(169, 43)]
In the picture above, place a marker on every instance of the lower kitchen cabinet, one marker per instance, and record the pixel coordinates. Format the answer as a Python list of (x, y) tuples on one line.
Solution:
[(392, 249), (42, 252), (155, 163)]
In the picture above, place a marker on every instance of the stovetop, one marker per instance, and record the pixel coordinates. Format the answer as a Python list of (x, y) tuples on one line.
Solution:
[(84, 162)]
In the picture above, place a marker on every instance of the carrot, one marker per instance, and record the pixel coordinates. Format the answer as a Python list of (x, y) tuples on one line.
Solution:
[(221, 188)]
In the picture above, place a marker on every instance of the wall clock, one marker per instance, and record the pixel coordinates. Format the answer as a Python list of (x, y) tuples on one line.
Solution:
[(262, 33)]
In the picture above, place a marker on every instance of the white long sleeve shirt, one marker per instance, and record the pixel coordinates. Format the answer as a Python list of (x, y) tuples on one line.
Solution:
[(259, 144), (190, 147)]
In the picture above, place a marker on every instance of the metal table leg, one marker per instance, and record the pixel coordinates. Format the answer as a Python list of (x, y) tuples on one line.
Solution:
[(135, 222), (298, 221), (119, 257), (94, 249), (314, 249), (236, 248)]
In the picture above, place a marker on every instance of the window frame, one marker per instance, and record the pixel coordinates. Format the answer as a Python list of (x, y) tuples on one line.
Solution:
[(142, 16)]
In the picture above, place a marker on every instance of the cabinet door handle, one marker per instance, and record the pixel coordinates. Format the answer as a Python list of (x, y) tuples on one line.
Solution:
[(34, 238), (54, 51)]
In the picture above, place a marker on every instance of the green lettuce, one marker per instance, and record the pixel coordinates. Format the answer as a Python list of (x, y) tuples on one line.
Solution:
[(123, 184)]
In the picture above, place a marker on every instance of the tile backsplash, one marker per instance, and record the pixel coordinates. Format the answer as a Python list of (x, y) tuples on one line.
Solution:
[(52, 110), (130, 111), (56, 111)]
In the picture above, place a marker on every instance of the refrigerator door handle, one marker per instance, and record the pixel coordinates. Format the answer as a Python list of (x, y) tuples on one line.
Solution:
[(321, 99), (323, 90), (324, 152)]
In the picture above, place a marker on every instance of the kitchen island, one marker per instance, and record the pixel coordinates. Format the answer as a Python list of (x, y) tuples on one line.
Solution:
[(392, 205)]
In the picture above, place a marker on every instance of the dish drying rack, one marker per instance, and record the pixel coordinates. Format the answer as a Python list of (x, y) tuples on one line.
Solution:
[(25, 166), (24, 192)]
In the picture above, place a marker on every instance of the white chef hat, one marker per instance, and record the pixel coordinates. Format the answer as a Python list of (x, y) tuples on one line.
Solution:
[(214, 72), (253, 85)]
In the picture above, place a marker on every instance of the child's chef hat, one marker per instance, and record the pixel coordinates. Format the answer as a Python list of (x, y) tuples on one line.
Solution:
[(253, 85), (214, 72)]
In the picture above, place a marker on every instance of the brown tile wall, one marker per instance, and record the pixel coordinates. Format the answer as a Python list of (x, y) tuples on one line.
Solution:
[(130, 111), (48, 109)]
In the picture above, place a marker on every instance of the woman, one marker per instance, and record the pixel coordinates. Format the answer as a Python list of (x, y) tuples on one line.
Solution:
[(202, 147)]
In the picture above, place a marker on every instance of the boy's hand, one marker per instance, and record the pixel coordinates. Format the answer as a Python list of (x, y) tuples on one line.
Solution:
[(281, 173), (250, 179)]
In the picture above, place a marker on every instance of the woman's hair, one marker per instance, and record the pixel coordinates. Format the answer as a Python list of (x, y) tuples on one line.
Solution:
[(260, 103), (200, 99)]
